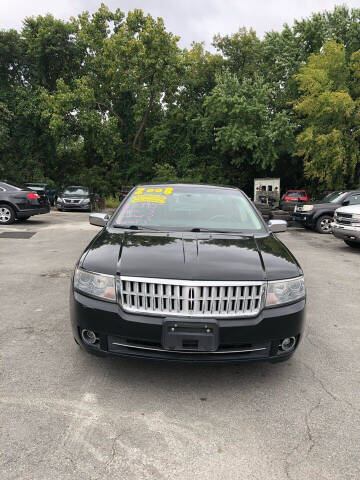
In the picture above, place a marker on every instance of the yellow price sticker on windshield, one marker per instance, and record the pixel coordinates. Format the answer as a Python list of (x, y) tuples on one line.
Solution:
[(149, 199), (142, 190)]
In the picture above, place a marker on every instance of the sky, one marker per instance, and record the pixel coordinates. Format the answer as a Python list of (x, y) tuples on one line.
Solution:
[(192, 20)]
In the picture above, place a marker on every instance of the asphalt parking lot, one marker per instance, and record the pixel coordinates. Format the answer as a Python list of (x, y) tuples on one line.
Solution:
[(68, 415)]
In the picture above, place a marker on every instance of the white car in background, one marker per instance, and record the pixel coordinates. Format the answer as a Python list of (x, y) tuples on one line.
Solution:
[(346, 225)]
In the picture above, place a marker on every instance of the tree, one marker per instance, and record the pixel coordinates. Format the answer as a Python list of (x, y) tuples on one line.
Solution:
[(329, 142), (245, 126), (242, 52)]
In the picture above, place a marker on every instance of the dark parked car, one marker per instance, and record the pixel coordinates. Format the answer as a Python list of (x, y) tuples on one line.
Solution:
[(20, 203), (188, 273), (43, 190), (75, 198), (291, 198), (319, 215)]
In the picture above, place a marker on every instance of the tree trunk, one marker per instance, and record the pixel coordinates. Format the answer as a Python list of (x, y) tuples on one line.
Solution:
[(143, 121)]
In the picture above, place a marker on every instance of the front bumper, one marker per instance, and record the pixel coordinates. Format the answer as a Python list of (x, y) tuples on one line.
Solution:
[(243, 339), (306, 218), (345, 232), (288, 206), (75, 206)]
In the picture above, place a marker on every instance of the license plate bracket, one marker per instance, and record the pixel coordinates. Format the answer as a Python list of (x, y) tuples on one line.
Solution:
[(190, 335)]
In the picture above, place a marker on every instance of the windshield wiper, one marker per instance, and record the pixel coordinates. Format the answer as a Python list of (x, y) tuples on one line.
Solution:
[(137, 227), (228, 232)]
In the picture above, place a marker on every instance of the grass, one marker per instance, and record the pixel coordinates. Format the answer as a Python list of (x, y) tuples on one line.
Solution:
[(111, 202)]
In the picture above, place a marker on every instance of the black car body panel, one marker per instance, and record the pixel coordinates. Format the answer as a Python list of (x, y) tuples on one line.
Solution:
[(187, 256), (311, 217), (23, 206), (193, 256), (143, 333)]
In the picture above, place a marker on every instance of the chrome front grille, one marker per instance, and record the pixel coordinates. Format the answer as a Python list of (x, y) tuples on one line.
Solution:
[(71, 200), (190, 298), (346, 219)]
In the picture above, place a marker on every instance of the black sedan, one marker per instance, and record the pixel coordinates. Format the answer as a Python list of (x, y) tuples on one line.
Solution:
[(319, 215), (20, 203), (188, 273)]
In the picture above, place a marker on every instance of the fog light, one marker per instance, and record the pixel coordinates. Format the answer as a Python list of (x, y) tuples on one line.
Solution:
[(287, 344), (89, 337)]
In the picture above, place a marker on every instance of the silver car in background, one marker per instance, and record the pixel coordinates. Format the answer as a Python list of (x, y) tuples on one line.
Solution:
[(346, 225)]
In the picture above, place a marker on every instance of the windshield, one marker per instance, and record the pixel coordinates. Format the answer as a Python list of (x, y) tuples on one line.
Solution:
[(76, 191), (296, 194), (334, 197), (187, 207)]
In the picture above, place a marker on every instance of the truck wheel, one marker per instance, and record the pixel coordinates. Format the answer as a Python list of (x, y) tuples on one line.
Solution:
[(323, 224), (352, 244), (7, 214)]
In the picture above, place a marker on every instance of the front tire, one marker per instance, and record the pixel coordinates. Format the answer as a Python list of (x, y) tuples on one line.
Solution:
[(7, 214), (352, 244), (323, 224)]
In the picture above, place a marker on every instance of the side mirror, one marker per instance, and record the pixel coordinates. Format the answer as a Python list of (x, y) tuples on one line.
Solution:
[(277, 226), (99, 219), (345, 203)]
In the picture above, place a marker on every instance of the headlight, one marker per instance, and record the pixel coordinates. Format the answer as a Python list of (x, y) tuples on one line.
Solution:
[(356, 216), (307, 208), (285, 291), (95, 284), (86, 200)]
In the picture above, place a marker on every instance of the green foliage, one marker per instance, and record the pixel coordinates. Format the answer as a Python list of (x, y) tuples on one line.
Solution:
[(329, 139), (110, 99), (246, 127), (111, 202)]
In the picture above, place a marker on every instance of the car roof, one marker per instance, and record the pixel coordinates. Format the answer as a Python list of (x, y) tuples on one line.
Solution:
[(179, 184)]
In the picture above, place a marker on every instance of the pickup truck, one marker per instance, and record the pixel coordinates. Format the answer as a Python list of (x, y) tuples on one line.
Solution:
[(346, 225)]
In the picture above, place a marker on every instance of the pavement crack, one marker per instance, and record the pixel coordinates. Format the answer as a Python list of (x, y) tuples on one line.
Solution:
[(325, 389), (309, 439), (113, 450), (308, 425)]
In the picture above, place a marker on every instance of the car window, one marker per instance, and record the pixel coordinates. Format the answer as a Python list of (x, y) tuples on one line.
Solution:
[(334, 197), (187, 207), (76, 191), (296, 194), (354, 199)]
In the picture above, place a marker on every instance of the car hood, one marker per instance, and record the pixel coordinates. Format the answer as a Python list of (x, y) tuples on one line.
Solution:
[(322, 204), (349, 209), (190, 256)]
